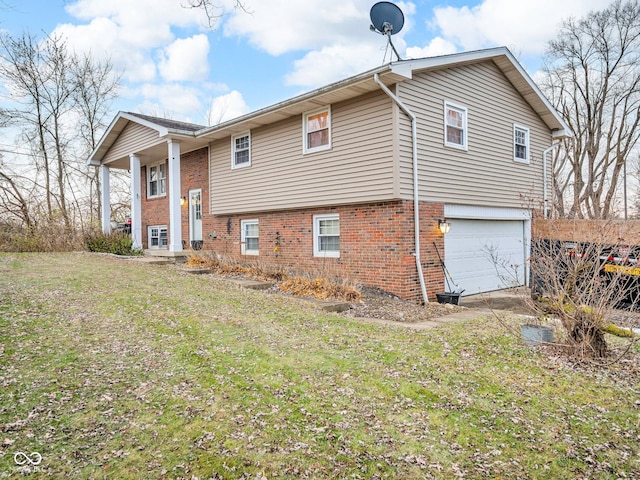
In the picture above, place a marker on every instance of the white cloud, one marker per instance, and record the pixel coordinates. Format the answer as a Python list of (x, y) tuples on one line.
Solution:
[(146, 22), (102, 39), (279, 26), (320, 67), (140, 38), (153, 41), (334, 33), (171, 100), (185, 59), (128, 32), (226, 107), (524, 27), (437, 46)]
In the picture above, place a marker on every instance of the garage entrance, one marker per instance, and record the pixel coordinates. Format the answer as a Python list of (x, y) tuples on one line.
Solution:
[(488, 254)]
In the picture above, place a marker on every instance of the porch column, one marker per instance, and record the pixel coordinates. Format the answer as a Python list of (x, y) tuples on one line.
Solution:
[(105, 199), (136, 202), (175, 218)]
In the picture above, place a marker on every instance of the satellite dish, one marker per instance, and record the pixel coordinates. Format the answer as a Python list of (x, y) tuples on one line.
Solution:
[(387, 19)]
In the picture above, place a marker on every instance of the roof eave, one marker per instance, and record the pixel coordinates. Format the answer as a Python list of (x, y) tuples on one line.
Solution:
[(96, 156), (301, 103), (516, 74)]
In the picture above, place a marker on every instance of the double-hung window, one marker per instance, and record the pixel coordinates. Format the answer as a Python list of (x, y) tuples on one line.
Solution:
[(317, 130), (326, 235), (249, 240), (157, 180), (157, 236), (520, 144), (241, 150), (455, 126)]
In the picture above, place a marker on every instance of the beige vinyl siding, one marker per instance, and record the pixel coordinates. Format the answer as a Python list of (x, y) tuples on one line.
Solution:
[(133, 139), (358, 167), (486, 173)]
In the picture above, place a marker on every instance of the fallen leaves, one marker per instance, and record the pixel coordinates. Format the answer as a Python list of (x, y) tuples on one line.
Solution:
[(212, 382)]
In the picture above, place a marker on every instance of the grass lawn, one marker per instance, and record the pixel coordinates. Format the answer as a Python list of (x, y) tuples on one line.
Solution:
[(110, 368)]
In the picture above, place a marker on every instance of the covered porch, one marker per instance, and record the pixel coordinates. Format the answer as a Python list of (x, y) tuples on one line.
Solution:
[(150, 149)]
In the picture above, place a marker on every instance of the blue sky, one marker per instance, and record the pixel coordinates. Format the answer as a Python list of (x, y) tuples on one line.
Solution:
[(173, 65)]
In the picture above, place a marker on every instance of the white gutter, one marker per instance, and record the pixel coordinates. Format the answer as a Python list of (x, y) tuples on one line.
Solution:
[(416, 196), (545, 206)]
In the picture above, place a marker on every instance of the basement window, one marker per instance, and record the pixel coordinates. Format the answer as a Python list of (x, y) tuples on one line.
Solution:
[(157, 237), (249, 240), (326, 235)]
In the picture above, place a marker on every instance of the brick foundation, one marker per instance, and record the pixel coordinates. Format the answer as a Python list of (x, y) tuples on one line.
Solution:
[(376, 240)]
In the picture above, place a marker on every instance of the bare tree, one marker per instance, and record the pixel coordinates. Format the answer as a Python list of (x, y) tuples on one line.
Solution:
[(593, 78), (586, 286), (20, 59), (95, 89), (13, 201), (61, 103), (39, 77)]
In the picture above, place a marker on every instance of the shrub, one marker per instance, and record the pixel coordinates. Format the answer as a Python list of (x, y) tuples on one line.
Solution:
[(52, 236), (115, 243)]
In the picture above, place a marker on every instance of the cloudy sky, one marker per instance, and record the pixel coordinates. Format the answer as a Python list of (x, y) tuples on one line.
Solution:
[(174, 65)]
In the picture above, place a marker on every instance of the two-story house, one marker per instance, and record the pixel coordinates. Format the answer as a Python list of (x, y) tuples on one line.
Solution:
[(358, 178)]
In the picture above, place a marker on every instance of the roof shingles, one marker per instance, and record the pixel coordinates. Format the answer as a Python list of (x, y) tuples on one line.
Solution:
[(170, 124)]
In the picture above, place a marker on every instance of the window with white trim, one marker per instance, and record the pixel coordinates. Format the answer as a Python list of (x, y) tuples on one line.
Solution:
[(455, 126), (157, 180), (326, 235), (317, 130), (157, 236), (520, 144), (241, 150), (249, 237)]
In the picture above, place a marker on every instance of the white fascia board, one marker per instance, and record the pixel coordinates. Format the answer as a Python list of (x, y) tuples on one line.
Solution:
[(293, 101), (92, 161), (565, 131), (488, 54)]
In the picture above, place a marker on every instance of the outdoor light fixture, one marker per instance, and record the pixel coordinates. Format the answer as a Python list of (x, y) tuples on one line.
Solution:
[(444, 226), (183, 201)]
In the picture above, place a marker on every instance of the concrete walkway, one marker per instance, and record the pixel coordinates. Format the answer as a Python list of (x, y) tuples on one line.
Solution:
[(433, 322)]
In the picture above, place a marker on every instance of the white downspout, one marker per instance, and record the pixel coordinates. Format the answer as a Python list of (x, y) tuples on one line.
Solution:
[(545, 206), (416, 196)]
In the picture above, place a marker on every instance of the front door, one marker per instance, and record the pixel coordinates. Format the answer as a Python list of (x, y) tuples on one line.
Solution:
[(195, 217)]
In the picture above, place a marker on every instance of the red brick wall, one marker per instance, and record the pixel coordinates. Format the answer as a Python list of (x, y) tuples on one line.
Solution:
[(376, 245), (376, 240), (194, 174), (155, 211)]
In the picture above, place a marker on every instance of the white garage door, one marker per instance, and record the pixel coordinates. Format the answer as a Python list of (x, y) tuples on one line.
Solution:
[(485, 255)]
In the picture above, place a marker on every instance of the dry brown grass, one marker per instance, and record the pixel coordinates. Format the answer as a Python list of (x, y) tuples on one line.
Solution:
[(320, 286)]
